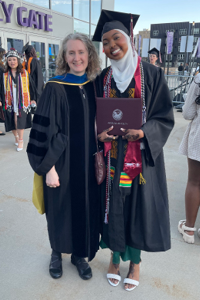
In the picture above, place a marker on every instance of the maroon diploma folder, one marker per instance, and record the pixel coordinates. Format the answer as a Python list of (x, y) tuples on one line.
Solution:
[(120, 113)]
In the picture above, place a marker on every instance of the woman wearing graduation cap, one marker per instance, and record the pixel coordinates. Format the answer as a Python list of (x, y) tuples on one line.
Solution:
[(61, 150), (17, 94), (134, 197)]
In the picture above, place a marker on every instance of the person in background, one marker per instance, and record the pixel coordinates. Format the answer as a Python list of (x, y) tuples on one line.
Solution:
[(32, 65), (180, 69), (135, 214), (17, 94), (190, 147), (153, 56), (186, 67), (61, 150), (2, 56)]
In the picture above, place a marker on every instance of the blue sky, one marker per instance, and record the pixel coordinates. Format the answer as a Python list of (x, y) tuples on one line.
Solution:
[(152, 11)]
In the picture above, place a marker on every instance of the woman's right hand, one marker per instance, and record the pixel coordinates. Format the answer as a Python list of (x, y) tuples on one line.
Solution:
[(0, 103), (105, 137), (52, 178)]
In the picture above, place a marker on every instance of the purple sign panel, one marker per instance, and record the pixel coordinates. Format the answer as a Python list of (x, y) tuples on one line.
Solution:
[(170, 36), (35, 19), (198, 48), (7, 10)]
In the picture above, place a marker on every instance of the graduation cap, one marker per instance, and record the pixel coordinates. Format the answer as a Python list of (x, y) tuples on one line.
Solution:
[(154, 51), (27, 48), (110, 20)]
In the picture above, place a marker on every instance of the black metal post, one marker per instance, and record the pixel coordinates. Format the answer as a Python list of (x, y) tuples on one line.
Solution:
[(167, 64)]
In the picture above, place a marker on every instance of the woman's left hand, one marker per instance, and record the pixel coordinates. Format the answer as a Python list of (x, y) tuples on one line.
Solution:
[(132, 134), (33, 102)]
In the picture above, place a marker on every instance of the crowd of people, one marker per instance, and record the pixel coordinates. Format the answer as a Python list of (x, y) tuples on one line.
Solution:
[(127, 213)]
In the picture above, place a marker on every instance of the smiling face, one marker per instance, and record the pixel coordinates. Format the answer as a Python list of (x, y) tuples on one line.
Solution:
[(77, 57), (13, 62), (114, 44), (153, 58)]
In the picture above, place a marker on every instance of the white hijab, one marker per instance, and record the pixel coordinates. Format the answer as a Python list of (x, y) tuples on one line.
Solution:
[(124, 69)]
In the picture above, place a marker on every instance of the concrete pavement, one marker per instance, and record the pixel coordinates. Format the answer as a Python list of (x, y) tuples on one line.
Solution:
[(25, 251)]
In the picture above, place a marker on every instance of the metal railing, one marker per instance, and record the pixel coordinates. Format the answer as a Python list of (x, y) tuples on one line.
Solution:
[(178, 86)]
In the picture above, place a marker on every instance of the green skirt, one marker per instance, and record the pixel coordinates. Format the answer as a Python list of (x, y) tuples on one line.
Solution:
[(130, 254)]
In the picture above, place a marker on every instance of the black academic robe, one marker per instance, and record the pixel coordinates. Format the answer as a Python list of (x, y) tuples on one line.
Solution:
[(63, 135), (141, 218), (37, 76), (24, 119)]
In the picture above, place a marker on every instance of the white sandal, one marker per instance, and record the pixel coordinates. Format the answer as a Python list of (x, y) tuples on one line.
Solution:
[(186, 237), (20, 149), (131, 281), (113, 276)]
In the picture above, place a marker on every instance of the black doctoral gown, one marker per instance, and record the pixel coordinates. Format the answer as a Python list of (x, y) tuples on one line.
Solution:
[(63, 135), (141, 219)]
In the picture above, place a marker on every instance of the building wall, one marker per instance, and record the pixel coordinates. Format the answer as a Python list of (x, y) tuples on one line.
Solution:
[(62, 25), (179, 29), (145, 34)]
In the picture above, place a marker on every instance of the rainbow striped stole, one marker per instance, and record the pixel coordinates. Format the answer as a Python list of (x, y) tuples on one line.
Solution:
[(125, 180), (23, 85)]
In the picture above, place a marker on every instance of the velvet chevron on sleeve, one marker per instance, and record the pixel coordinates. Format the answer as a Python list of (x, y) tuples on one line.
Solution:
[(46, 141)]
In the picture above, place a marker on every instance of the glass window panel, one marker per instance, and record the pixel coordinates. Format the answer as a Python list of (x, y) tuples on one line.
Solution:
[(93, 27), (15, 43), (40, 51), (53, 53), (43, 3), (63, 6), (95, 11), (96, 44), (81, 9), (81, 27)]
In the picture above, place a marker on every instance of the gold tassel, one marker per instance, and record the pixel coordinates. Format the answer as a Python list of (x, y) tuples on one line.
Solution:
[(142, 180)]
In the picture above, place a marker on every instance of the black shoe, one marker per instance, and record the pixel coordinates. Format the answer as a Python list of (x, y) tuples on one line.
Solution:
[(179, 106), (55, 267), (2, 133), (83, 267)]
